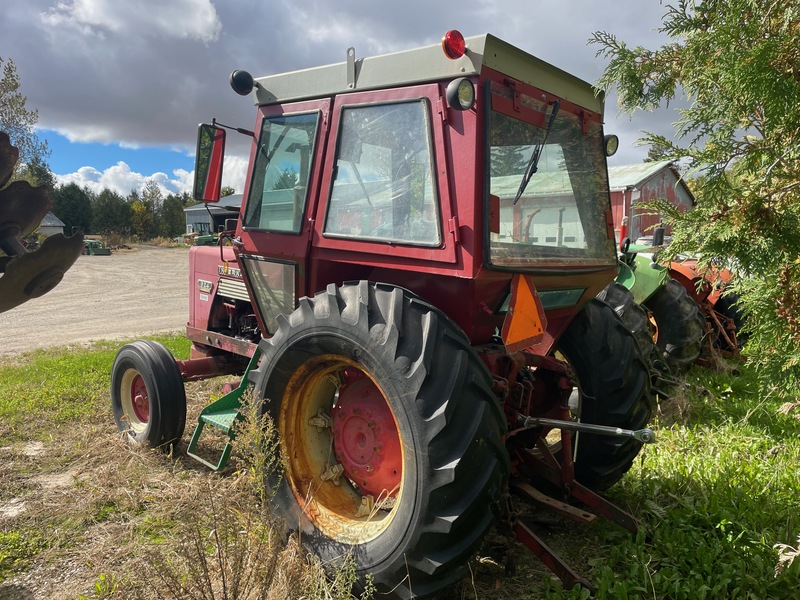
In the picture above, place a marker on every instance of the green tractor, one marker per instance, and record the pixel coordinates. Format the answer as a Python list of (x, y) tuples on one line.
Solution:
[(94, 247), (666, 321)]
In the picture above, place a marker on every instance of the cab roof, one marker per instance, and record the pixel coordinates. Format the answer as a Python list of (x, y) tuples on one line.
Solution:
[(422, 65)]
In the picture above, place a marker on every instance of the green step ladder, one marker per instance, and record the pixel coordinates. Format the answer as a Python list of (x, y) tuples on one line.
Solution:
[(223, 414)]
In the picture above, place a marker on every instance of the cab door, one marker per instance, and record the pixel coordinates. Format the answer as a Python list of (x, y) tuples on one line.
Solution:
[(386, 196), (280, 197)]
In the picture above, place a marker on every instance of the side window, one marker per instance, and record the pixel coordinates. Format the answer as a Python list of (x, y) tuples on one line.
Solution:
[(383, 188), (279, 186)]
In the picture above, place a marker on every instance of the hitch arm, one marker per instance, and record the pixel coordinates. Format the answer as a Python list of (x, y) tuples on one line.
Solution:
[(645, 436)]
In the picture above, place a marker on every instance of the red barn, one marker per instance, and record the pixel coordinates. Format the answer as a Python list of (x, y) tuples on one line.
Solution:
[(632, 184)]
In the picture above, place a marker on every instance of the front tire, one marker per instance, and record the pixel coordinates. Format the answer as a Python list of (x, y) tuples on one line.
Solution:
[(147, 394), (411, 421), (614, 384)]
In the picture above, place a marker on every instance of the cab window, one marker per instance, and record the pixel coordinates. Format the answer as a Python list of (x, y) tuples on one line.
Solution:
[(277, 196), (383, 187)]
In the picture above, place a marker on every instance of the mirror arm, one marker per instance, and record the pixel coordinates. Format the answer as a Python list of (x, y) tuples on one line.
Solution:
[(236, 129)]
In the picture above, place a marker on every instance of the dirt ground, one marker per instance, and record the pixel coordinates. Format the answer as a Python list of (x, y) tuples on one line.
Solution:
[(128, 294)]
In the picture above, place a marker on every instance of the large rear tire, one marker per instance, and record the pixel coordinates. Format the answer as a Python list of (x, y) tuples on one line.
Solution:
[(636, 319), (412, 422), (147, 394), (614, 383), (681, 326)]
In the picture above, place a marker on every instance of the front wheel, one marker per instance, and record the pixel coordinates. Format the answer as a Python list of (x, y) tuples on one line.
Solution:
[(147, 394), (390, 435)]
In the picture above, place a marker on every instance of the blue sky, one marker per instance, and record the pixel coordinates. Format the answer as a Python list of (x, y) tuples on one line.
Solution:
[(121, 86), (68, 157)]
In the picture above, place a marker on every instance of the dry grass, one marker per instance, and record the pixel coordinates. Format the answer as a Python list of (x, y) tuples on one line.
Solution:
[(114, 521), (96, 518)]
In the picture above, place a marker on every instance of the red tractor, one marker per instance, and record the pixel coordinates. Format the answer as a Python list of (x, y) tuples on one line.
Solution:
[(429, 354)]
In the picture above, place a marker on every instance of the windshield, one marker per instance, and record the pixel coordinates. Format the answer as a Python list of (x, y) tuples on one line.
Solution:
[(560, 217)]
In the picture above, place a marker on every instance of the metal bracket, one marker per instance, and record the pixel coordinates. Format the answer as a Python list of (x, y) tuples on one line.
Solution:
[(351, 68)]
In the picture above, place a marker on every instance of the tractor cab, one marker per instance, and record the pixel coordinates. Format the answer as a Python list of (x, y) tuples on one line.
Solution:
[(451, 170)]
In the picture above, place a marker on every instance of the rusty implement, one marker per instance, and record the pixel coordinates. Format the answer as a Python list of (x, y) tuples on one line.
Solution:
[(28, 275), (556, 468)]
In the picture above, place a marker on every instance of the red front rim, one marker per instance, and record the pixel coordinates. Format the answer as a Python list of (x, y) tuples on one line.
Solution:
[(140, 399)]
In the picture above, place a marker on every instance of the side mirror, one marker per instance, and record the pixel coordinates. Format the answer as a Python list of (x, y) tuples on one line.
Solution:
[(658, 235), (208, 163)]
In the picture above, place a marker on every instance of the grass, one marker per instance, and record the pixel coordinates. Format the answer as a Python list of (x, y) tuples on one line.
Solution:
[(84, 515), (45, 389), (716, 494)]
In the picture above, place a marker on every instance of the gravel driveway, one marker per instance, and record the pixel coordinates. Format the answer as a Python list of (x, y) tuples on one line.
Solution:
[(128, 294)]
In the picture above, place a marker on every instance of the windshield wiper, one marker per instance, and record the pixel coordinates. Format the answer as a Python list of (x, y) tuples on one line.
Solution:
[(533, 162)]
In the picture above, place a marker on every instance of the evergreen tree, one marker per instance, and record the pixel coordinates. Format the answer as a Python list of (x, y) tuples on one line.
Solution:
[(111, 213), (738, 63), (73, 205), (172, 219)]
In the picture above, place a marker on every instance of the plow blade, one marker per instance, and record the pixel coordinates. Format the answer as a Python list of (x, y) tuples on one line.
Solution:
[(31, 275), (27, 275)]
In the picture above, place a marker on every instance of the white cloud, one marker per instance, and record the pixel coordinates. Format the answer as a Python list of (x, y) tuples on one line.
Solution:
[(121, 179), (143, 73), (234, 173), (194, 19)]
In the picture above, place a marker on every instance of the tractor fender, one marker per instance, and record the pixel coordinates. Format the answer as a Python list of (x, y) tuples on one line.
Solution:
[(685, 272), (711, 283), (643, 277)]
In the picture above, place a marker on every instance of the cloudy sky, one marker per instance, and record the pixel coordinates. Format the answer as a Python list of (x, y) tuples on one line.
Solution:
[(120, 85)]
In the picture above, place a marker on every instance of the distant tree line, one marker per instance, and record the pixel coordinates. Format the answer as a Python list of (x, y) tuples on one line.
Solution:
[(142, 215)]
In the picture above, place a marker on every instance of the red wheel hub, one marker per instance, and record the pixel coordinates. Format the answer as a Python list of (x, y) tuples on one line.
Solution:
[(365, 437), (139, 399)]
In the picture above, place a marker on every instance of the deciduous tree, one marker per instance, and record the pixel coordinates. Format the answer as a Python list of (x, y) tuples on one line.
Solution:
[(17, 121)]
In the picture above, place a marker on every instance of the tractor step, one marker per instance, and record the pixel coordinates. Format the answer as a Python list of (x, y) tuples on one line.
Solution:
[(224, 419), (222, 414)]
